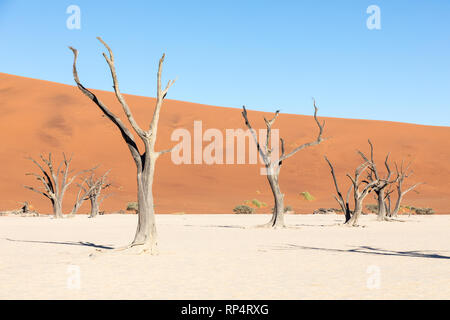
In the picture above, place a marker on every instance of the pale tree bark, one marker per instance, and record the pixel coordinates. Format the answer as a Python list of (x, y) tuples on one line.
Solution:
[(145, 239), (388, 202), (402, 174), (81, 197), (96, 196), (91, 189), (55, 181), (381, 183), (273, 165), (360, 191)]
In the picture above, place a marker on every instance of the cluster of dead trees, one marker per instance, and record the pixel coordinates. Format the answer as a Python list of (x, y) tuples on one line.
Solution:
[(55, 181), (145, 159), (145, 239), (368, 179)]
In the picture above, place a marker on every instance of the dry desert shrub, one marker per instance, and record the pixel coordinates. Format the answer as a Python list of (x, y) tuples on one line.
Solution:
[(243, 209)]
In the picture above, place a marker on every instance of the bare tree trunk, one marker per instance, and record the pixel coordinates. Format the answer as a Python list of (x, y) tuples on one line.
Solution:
[(353, 221), (76, 207), (95, 207), (381, 205), (57, 208), (388, 205), (397, 203), (146, 234), (277, 220)]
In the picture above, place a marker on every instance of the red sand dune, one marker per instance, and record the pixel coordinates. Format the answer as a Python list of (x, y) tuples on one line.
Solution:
[(39, 116)]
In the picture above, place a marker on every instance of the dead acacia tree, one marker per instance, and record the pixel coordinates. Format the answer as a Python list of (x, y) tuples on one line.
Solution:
[(273, 165), (55, 181), (145, 239), (402, 174), (360, 191), (82, 195), (91, 189), (380, 183), (97, 185)]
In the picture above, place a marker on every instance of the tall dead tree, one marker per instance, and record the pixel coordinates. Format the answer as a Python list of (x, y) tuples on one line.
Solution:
[(145, 238), (54, 180), (360, 191), (402, 174), (273, 165), (380, 183)]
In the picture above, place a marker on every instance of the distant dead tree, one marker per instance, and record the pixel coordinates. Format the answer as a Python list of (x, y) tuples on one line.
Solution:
[(380, 183), (82, 196), (402, 174), (91, 189), (145, 239), (55, 180), (273, 166), (360, 191), (97, 196)]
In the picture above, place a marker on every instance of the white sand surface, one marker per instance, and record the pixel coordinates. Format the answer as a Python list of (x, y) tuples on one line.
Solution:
[(214, 257)]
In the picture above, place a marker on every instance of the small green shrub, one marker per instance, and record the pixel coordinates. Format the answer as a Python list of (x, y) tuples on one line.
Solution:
[(133, 206), (307, 196), (255, 203), (243, 209), (258, 203)]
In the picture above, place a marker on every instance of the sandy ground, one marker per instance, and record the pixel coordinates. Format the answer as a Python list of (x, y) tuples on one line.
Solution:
[(215, 257)]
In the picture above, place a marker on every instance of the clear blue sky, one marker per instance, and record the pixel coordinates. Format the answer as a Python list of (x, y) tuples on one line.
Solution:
[(265, 54)]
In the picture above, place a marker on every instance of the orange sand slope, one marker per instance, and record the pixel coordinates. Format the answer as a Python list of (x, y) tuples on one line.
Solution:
[(39, 117)]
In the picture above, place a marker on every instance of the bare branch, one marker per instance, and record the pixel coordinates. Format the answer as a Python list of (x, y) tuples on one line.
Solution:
[(126, 134), (309, 144), (160, 96), (255, 138), (340, 197), (141, 133), (38, 191)]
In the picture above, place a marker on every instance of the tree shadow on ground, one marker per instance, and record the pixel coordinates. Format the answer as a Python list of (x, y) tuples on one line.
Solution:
[(67, 243), (299, 225), (215, 226), (367, 250)]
